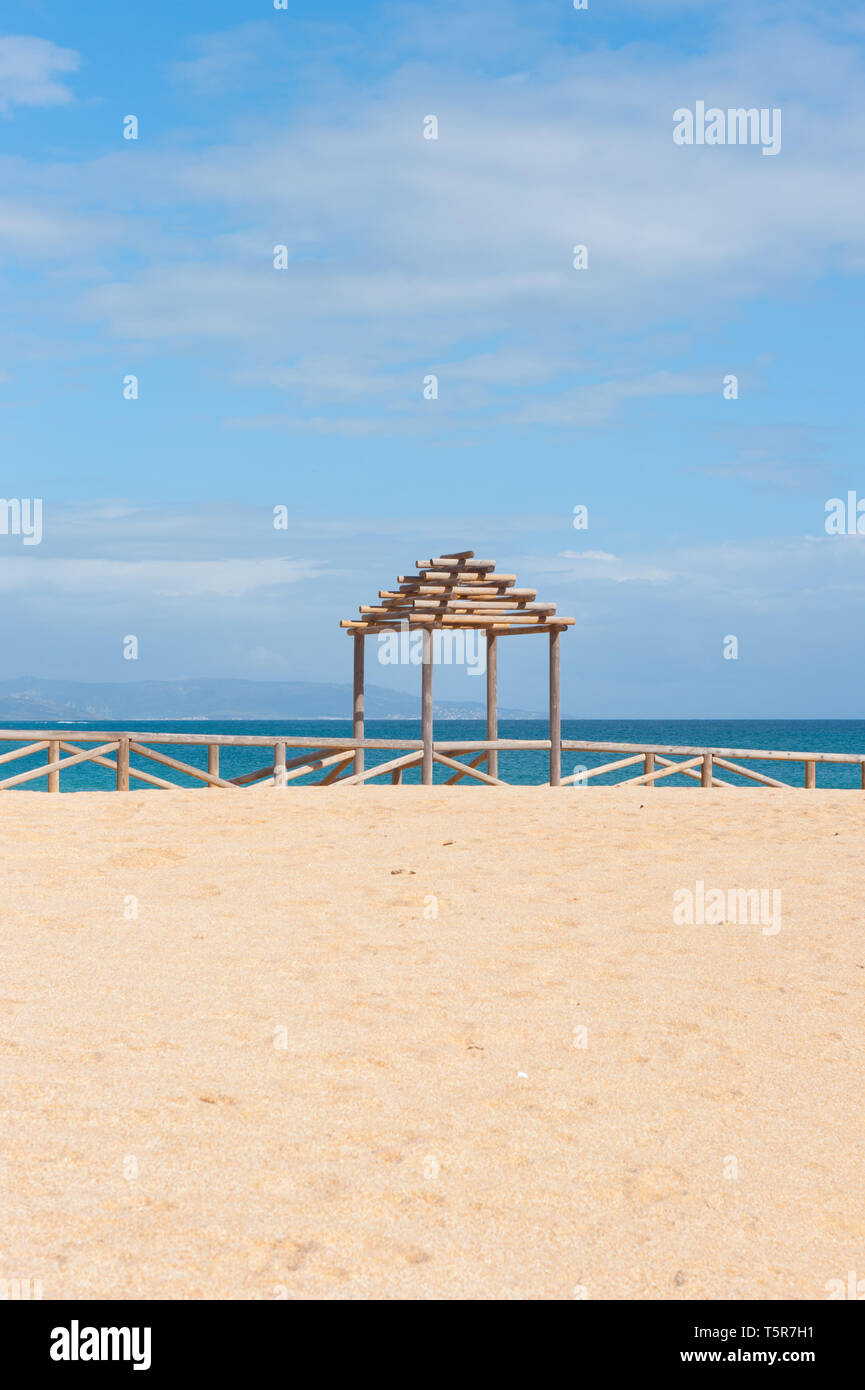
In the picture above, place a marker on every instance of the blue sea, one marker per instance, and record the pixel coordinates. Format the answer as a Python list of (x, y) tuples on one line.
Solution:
[(797, 735)]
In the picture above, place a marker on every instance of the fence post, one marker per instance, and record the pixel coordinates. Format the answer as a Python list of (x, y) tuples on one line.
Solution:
[(492, 703), (649, 766), (123, 765), (358, 703), (213, 764), (426, 708), (555, 708), (810, 773), (53, 757), (279, 764), (706, 771)]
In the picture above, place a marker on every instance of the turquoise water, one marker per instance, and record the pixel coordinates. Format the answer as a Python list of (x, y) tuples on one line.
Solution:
[(809, 735)]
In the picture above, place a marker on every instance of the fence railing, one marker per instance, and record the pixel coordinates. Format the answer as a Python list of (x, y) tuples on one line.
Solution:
[(340, 759)]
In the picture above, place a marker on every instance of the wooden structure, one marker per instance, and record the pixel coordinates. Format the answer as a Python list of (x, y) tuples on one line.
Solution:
[(451, 591), (458, 591), (333, 756)]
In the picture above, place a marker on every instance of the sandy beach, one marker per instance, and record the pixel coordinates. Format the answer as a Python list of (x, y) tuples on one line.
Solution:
[(430, 1043)]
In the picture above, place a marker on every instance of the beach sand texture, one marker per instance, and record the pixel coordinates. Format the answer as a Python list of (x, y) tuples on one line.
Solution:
[(288, 1078)]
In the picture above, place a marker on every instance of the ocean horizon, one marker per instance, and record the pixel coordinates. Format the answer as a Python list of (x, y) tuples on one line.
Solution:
[(521, 768)]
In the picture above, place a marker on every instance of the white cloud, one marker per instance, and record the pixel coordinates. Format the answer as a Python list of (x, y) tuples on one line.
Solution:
[(595, 404), (768, 573), (173, 579), (401, 249), (454, 256), (29, 69), (600, 564)]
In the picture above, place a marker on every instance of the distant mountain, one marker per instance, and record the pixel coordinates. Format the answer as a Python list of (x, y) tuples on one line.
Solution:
[(30, 698)]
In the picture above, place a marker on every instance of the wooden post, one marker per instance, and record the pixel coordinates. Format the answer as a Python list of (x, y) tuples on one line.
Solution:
[(357, 711), (649, 766), (810, 773), (862, 775), (555, 709), (213, 763), (279, 764), (427, 708), (492, 702), (123, 765), (706, 771), (53, 756)]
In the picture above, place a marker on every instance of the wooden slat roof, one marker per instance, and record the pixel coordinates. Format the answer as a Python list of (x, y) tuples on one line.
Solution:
[(454, 589)]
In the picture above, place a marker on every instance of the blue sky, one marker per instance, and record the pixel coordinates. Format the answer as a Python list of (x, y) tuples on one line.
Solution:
[(407, 257)]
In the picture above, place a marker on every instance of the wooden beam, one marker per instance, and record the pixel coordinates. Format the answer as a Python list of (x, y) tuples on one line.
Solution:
[(381, 624), (757, 753), (706, 773), (522, 631), (751, 775), (451, 577), (647, 780), (358, 701), (54, 757), (472, 591), (514, 621), (448, 562), (407, 760), (522, 745), (312, 765), (810, 773), (575, 777), (178, 765), (495, 605), (466, 771), (25, 751), (213, 761), (384, 610), (482, 606), (246, 777), (123, 765), (433, 576), (689, 772), (372, 627), (235, 740), (337, 769), (86, 756), (460, 775), (492, 701), (279, 773), (555, 710), (133, 771), (520, 619), (427, 709)]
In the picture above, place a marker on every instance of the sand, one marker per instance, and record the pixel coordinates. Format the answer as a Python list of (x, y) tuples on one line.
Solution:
[(288, 1077)]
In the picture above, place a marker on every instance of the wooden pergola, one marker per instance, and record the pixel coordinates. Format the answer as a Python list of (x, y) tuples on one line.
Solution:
[(457, 591)]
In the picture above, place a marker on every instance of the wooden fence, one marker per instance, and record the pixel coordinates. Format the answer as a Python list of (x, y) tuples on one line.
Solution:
[(341, 760)]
